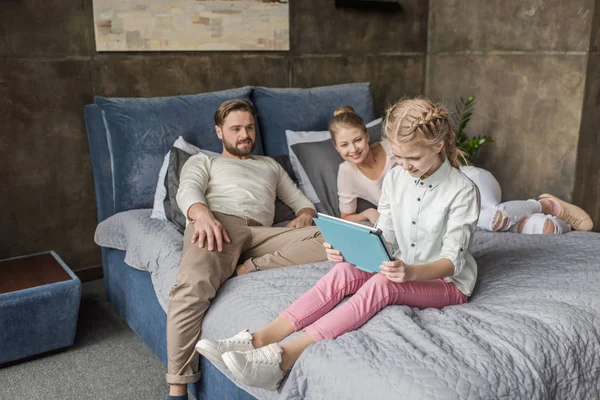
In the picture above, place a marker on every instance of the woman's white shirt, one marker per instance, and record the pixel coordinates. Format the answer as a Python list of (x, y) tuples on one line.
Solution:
[(433, 218)]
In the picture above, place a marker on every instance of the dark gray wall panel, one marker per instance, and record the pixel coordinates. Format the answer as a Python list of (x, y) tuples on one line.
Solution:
[(530, 105), (587, 184), (178, 73), (507, 25), (318, 27), (47, 200), (45, 28), (392, 77)]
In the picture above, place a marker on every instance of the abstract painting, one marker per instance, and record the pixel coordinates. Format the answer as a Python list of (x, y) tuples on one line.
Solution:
[(191, 25)]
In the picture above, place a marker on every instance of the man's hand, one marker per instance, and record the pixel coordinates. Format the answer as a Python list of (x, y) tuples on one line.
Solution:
[(303, 219), (332, 255), (371, 214), (396, 271), (207, 229)]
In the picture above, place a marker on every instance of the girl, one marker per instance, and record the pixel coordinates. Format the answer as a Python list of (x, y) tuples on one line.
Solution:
[(428, 206), (546, 215), (364, 167)]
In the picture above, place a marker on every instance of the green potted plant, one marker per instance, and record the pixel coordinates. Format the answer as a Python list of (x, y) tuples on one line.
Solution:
[(462, 116)]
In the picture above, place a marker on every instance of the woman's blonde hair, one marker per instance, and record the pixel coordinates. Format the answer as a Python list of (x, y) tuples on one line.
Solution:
[(428, 123), (347, 117)]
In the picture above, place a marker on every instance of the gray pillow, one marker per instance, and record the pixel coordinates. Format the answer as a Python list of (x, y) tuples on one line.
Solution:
[(321, 163), (177, 158)]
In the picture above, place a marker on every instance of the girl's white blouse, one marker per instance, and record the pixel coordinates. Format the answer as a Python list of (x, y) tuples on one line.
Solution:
[(433, 218)]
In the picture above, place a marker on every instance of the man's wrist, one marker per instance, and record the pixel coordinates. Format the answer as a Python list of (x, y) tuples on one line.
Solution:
[(196, 209), (306, 213)]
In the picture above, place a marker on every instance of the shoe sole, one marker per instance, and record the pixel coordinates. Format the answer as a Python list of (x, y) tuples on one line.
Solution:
[(238, 375), (209, 352), (585, 223)]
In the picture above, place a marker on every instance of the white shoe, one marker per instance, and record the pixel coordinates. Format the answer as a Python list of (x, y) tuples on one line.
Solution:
[(259, 368), (214, 349)]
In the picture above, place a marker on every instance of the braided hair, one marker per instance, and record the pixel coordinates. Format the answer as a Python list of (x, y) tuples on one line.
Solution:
[(420, 119)]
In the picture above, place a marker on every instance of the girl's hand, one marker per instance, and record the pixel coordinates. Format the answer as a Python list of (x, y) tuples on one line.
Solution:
[(396, 271), (371, 214), (332, 255)]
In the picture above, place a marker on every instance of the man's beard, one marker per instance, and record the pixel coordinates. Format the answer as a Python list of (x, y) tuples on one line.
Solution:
[(235, 151)]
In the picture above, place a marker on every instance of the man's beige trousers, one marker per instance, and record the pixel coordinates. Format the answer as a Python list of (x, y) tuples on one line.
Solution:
[(202, 272)]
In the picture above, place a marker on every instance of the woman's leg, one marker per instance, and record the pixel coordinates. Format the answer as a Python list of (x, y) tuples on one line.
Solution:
[(541, 224), (343, 279), (510, 213), (379, 292), (489, 188)]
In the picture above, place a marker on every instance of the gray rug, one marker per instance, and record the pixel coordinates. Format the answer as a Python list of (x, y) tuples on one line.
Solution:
[(107, 361)]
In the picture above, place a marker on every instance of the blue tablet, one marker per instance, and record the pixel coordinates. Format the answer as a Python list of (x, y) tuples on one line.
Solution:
[(360, 245)]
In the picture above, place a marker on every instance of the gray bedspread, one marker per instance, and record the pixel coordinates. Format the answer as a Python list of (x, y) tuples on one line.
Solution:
[(530, 331)]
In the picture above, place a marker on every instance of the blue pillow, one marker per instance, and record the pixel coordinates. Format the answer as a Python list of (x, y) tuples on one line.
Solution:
[(305, 110), (141, 131)]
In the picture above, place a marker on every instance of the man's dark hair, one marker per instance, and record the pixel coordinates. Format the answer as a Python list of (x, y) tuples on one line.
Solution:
[(232, 105)]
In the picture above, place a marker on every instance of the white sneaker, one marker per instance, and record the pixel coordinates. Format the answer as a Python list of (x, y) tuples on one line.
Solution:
[(214, 349), (259, 368)]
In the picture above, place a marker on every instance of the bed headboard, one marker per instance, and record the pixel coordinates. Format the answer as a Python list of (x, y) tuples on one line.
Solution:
[(128, 137)]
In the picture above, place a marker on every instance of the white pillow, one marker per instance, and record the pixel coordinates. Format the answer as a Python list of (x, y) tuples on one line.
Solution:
[(294, 137), (158, 210)]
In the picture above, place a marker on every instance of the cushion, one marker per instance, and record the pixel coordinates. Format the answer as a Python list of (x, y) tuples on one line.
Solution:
[(316, 163), (158, 209), (305, 110), (141, 130), (177, 158)]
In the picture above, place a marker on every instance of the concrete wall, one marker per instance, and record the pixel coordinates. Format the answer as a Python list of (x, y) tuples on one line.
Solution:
[(49, 70), (525, 61), (587, 183)]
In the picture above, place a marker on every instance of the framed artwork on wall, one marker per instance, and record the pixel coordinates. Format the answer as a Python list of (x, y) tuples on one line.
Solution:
[(191, 25)]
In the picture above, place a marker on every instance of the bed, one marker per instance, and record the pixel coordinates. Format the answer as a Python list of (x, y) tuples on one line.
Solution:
[(530, 331)]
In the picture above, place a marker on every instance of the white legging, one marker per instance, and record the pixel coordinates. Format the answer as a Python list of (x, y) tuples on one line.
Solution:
[(510, 212)]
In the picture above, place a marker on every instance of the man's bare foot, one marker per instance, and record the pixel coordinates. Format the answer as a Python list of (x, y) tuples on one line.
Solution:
[(241, 269)]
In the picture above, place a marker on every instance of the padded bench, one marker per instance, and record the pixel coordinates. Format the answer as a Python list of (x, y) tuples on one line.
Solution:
[(39, 305)]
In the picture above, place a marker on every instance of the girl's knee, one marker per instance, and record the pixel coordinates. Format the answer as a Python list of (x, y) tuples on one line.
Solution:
[(347, 272), (343, 268), (378, 282)]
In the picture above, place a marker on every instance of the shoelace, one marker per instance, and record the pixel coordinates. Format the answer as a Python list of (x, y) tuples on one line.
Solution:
[(569, 219), (264, 355), (237, 341)]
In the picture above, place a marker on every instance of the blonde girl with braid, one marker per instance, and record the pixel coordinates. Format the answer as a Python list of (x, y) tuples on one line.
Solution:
[(428, 208)]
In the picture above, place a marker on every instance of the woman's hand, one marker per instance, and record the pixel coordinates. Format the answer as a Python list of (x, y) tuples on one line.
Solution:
[(371, 214), (332, 255), (396, 271)]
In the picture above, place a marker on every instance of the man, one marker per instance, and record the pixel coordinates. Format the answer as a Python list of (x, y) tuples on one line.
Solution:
[(229, 202)]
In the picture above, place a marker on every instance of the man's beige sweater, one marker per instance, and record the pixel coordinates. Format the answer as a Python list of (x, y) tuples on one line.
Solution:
[(246, 188)]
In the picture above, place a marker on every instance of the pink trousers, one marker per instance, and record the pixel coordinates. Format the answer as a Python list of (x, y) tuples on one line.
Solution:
[(372, 292)]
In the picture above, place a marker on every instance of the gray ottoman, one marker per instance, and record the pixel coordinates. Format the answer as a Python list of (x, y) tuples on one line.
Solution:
[(39, 304)]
